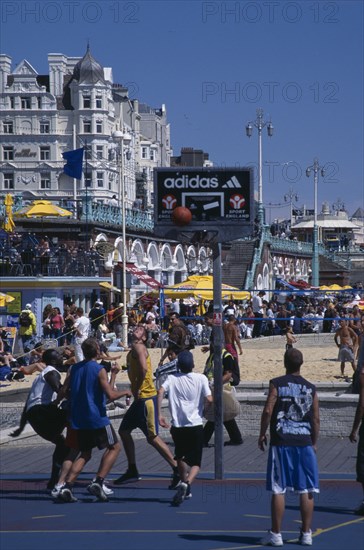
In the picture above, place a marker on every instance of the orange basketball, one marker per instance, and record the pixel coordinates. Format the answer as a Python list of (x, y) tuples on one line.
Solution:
[(181, 216)]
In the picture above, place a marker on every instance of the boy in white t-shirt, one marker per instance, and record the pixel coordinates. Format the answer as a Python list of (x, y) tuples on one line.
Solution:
[(188, 394)]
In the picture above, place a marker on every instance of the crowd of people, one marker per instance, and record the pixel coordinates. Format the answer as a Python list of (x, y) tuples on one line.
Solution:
[(291, 412), (25, 254)]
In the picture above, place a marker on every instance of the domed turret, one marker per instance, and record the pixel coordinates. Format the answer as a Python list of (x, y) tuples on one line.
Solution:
[(88, 70)]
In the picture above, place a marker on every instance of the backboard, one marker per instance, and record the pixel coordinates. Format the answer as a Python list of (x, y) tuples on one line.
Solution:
[(220, 200)]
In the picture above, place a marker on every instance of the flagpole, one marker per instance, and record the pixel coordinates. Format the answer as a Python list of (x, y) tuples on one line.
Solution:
[(86, 197), (74, 179)]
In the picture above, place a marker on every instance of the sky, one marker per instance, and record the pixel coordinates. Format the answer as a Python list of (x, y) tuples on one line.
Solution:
[(213, 64)]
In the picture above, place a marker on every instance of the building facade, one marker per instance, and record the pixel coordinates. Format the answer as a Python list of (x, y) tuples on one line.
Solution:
[(75, 105)]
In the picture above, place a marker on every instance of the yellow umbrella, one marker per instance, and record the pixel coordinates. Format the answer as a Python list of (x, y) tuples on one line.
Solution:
[(43, 208), (8, 224), (5, 299), (335, 287), (201, 286)]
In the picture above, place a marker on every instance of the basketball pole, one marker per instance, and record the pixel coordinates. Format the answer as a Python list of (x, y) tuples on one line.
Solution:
[(218, 339)]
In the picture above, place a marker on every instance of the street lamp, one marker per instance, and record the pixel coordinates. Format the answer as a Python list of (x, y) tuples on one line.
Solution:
[(290, 197), (259, 123), (123, 138), (315, 257)]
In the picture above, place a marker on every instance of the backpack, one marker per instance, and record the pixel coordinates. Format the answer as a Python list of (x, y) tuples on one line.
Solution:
[(24, 319)]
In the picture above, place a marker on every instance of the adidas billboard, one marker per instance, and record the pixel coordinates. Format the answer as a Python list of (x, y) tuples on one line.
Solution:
[(216, 197)]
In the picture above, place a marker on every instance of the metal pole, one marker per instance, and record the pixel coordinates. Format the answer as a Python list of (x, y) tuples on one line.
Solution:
[(124, 317), (74, 179), (315, 264), (218, 339), (260, 165)]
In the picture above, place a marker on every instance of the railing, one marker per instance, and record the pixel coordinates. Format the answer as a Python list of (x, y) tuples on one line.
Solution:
[(108, 214), (93, 211), (26, 263)]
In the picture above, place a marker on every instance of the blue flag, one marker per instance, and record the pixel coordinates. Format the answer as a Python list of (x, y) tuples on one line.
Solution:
[(74, 159), (162, 303)]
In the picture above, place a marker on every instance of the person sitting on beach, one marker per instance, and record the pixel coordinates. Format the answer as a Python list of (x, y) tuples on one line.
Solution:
[(346, 340)]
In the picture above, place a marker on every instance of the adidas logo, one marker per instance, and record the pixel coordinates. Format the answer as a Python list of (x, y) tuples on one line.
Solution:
[(233, 183)]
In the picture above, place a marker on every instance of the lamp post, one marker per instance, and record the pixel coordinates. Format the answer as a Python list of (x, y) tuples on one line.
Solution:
[(290, 197), (315, 257), (123, 138), (259, 123)]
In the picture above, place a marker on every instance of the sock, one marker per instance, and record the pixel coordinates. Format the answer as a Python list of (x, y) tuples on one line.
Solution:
[(99, 480), (132, 468)]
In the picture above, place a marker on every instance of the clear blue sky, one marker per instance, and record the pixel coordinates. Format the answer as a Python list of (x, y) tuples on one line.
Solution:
[(213, 64)]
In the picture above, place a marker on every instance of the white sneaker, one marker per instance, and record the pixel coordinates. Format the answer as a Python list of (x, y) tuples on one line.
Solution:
[(98, 491), (305, 539), (107, 490), (180, 494), (272, 539), (56, 490)]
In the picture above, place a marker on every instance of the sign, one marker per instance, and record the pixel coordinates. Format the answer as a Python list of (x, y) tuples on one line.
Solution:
[(217, 319), (220, 200)]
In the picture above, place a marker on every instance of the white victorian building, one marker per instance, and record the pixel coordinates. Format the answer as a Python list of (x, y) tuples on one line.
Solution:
[(77, 104)]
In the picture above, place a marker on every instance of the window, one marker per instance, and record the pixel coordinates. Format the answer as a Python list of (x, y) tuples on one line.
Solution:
[(8, 181), (86, 102), (45, 153), (45, 180), (8, 153), (88, 179), (99, 152), (98, 102), (44, 127), (12, 102), (152, 155), (88, 152), (39, 102), (87, 126), (100, 179), (144, 152), (99, 126), (25, 102), (8, 127)]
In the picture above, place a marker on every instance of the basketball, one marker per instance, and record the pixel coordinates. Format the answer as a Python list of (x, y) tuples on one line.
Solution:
[(181, 216)]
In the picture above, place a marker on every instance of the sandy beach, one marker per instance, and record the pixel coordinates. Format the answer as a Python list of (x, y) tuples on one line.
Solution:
[(262, 359)]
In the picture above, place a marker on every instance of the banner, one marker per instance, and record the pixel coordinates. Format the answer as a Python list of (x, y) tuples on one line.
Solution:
[(142, 276)]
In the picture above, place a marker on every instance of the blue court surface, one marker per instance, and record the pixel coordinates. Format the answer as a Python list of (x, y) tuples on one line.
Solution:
[(231, 514)]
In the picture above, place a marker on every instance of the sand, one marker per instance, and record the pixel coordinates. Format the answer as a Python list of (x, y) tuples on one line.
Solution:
[(262, 359)]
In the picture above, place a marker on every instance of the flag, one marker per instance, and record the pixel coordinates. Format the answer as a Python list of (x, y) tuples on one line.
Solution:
[(162, 303), (74, 159)]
